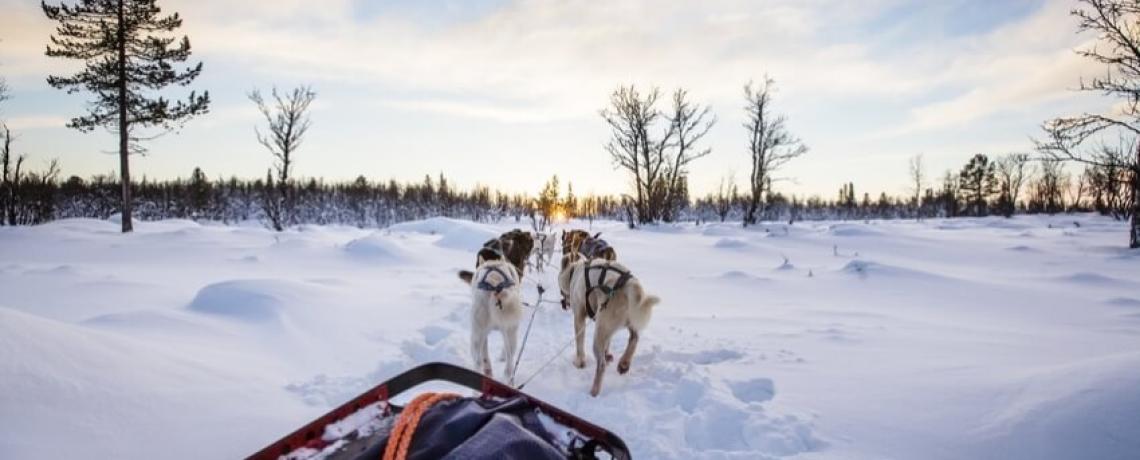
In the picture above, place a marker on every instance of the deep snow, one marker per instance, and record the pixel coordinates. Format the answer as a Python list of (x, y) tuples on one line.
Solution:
[(945, 339)]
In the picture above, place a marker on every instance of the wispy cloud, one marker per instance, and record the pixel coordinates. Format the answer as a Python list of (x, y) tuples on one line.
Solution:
[(914, 68)]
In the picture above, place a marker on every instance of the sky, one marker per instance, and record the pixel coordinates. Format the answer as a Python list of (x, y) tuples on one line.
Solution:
[(508, 93)]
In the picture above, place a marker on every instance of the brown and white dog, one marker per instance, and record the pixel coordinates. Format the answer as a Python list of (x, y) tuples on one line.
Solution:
[(609, 294), (515, 245), (578, 245)]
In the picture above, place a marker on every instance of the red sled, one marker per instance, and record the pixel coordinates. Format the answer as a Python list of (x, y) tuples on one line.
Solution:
[(501, 422)]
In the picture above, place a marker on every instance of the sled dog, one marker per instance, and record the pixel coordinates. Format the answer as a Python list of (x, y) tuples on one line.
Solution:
[(606, 292), (515, 246), (496, 305)]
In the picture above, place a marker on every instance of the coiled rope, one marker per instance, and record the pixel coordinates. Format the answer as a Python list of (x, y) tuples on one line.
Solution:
[(401, 438)]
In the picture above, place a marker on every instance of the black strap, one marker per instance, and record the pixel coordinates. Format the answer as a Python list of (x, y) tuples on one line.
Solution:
[(623, 277)]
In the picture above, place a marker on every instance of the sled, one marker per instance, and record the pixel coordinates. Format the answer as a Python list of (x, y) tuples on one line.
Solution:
[(500, 422)]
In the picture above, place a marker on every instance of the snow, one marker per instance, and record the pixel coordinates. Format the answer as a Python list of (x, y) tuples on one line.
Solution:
[(942, 339)]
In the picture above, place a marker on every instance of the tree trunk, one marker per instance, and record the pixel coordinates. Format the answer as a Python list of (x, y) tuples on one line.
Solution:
[(124, 132), (1134, 233)]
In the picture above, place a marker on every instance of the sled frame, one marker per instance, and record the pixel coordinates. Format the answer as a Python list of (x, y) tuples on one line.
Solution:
[(310, 434)]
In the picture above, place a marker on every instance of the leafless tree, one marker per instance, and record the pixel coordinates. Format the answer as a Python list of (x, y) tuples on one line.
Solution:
[(1115, 24), (10, 181), (725, 196), (287, 119), (1109, 182), (690, 122), (1077, 193), (3, 89), (917, 179), (1048, 191), (769, 143), (1012, 171), (633, 146)]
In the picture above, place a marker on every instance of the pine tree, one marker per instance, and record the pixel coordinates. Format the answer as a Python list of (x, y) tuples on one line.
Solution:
[(128, 55), (978, 181)]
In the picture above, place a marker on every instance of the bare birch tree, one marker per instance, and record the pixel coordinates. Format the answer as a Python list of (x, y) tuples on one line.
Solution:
[(769, 143), (689, 123), (1115, 25), (633, 146), (917, 179), (287, 119), (1012, 171)]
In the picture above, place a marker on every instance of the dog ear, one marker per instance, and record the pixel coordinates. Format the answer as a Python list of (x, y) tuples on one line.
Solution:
[(596, 235)]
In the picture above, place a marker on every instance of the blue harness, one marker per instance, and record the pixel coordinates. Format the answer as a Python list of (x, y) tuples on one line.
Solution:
[(496, 288)]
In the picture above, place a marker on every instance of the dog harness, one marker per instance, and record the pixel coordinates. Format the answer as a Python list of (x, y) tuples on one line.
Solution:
[(592, 246), (609, 291), (496, 288)]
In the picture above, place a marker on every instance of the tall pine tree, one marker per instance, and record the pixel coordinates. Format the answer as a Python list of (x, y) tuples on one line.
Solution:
[(978, 182), (129, 55)]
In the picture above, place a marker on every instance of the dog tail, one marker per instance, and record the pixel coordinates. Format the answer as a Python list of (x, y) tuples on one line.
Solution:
[(641, 306), (466, 276)]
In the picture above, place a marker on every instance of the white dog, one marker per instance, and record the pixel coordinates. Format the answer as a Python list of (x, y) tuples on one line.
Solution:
[(543, 250), (496, 305), (609, 294)]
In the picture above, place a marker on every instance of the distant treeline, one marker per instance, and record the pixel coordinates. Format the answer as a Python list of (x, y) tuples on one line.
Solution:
[(1010, 185)]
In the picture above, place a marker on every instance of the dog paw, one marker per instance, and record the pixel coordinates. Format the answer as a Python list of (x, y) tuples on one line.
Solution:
[(609, 357), (623, 367), (580, 362), (595, 391)]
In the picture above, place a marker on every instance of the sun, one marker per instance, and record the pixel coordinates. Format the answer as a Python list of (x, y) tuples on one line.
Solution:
[(559, 215)]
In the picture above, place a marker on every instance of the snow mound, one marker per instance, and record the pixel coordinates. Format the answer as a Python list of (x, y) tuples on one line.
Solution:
[(720, 229), (730, 243), (1093, 278), (377, 247), (739, 276), (457, 234), (1123, 302), (1086, 409), (147, 322), (753, 390), (249, 301), (853, 230), (866, 268), (112, 397)]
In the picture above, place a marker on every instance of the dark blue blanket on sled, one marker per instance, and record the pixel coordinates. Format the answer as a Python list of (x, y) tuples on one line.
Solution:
[(471, 429)]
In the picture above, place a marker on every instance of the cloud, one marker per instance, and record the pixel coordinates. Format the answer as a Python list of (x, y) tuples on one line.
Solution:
[(1013, 68), (24, 123), (858, 78)]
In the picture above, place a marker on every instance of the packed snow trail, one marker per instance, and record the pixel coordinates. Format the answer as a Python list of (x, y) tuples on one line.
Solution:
[(966, 338)]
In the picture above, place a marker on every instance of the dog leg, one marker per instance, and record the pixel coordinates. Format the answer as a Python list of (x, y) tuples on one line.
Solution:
[(510, 348), (487, 358), (603, 332), (580, 338), (479, 354), (627, 356)]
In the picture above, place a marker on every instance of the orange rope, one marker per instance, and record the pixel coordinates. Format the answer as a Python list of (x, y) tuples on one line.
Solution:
[(401, 438)]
